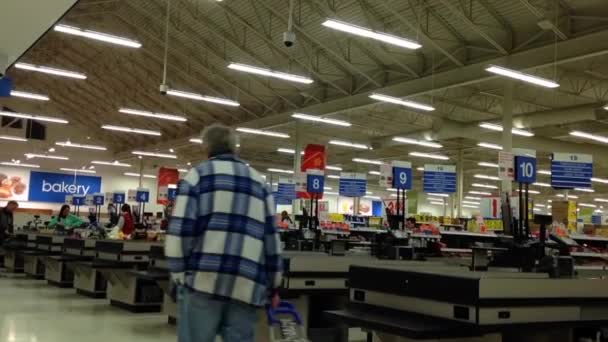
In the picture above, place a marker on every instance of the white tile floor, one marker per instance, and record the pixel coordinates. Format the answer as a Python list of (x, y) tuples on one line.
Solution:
[(32, 311)]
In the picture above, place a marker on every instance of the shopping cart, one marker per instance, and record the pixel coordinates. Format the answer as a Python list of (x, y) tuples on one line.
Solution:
[(285, 324)]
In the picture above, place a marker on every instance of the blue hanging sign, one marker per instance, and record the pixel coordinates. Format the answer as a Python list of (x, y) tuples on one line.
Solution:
[(98, 199), (596, 219), (286, 192), (570, 170), (172, 194), (353, 184), (402, 175), (439, 178), (78, 200), (525, 166)]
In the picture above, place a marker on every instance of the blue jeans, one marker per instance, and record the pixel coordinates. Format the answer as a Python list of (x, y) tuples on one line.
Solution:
[(201, 318)]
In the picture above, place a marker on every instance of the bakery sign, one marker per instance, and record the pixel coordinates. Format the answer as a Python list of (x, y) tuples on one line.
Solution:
[(14, 183)]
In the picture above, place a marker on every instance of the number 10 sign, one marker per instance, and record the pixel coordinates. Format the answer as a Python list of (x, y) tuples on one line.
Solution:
[(525, 166)]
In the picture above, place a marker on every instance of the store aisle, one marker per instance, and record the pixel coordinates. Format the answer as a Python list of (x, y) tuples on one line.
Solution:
[(32, 311)]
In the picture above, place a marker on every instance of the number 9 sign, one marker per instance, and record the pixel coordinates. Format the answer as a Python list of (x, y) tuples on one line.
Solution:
[(525, 169), (402, 178)]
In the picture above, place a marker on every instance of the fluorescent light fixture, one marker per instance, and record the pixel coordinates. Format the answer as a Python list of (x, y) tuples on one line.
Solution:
[(104, 37), (334, 168), (369, 193), (349, 144), (12, 138), (544, 185), (288, 151), (329, 188), (481, 193), (182, 170), (52, 71), (487, 177), (33, 166), (434, 198), (280, 170), (154, 154), (33, 117), (372, 197), (77, 170), (161, 116), (85, 146), (270, 73), (109, 163), (487, 186), (367, 33), (45, 156), (498, 128), (544, 172), (437, 195), (320, 119), (471, 202), (394, 195), (603, 200), (196, 140), (133, 174), (437, 203), (331, 193), (367, 161), (593, 179), (486, 164), (333, 176), (533, 192), (375, 173), (27, 95), (590, 136), (420, 168), (584, 189), (199, 97), (473, 198), (417, 142), (262, 132), (470, 206), (131, 130), (406, 103), (588, 205), (521, 76), (391, 189), (569, 196), (429, 155), (489, 145)]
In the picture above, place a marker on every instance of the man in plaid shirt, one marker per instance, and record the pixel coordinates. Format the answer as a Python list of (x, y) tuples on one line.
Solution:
[(222, 245)]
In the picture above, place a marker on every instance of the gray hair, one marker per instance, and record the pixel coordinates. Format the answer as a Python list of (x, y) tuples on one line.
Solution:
[(219, 139)]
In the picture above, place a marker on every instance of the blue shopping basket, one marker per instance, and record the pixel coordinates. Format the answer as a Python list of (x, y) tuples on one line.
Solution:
[(285, 324)]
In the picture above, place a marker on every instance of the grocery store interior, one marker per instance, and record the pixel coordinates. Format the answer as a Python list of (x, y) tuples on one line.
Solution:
[(438, 167)]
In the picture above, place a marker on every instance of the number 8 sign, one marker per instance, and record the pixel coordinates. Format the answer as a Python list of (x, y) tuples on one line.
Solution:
[(315, 183), (525, 169)]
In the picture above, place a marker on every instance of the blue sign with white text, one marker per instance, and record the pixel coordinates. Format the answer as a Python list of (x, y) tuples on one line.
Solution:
[(352, 184), (53, 187), (98, 199), (286, 193), (525, 169), (119, 198), (439, 179), (402, 178), (569, 171), (172, 194), (142, 196), (315, 184), (78, 200)]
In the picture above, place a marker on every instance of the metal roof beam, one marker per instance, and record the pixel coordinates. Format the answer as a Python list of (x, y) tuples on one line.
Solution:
[(473, 26)]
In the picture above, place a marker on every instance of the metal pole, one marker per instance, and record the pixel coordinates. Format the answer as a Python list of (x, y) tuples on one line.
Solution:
[(520, 221), (141, 172), (460, 180), (507, 124), (297, 165), (526, 211)]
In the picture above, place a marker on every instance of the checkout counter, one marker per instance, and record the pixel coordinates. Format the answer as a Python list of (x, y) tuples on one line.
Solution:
[(14, 249), (46, 245), (116, 261)]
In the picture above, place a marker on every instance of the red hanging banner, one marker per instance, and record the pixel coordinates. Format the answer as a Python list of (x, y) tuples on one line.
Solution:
[(314, 158), (166, 177)]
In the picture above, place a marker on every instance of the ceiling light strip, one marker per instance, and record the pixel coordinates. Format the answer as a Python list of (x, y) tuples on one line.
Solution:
[(33, 117), (84, 146), (154, 154), (131, 130), (368, 33), (406, 103), (429, 155), (26, 95), (104, 37), (199, 97), (417, 142), (262, 132), (349, 144), (270, 73), (109, 163), (161, 116), (51, 71), (521, 76), (313, 118)]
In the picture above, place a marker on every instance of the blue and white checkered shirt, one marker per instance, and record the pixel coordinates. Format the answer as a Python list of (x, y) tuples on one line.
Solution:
[(222, 238)]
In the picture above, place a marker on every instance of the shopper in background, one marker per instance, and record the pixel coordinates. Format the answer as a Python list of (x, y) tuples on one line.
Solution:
[(285, 217), (223, 245), (112, 213), (6, 220), (410, 223), (65, 219), (126, 224)]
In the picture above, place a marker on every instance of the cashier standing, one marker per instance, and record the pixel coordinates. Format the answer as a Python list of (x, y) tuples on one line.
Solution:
[(222, 245)]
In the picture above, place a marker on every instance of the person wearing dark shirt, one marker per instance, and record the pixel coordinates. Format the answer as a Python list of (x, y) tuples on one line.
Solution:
[(6, 220), (285, 217), (410, 223)]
